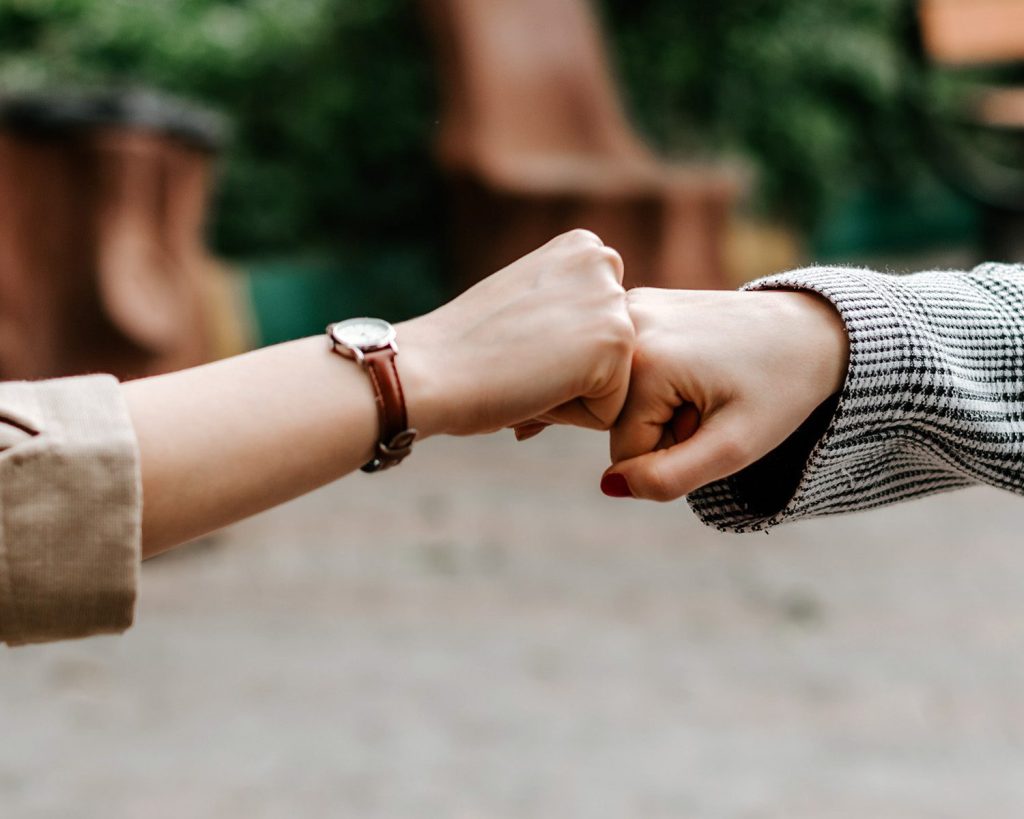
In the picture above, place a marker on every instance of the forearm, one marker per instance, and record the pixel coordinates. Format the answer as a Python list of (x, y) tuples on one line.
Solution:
[(547, 337), (229, 439)]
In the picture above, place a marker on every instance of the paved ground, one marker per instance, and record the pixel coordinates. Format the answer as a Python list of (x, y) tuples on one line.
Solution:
[(505, 642)]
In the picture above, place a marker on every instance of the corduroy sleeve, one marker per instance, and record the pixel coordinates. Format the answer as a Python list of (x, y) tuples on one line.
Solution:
[(70, 510), (933, 400)]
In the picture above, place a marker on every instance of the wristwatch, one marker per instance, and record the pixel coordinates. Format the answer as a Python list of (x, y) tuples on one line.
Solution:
[(370, 342)]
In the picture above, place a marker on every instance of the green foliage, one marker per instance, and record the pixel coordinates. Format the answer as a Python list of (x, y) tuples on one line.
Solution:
[(333, 101), (811, 91)]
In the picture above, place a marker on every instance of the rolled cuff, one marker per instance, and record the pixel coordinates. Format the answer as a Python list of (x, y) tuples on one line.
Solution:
[(70, 510)]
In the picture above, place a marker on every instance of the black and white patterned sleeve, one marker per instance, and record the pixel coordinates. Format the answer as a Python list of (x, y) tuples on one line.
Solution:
[(933, 400)]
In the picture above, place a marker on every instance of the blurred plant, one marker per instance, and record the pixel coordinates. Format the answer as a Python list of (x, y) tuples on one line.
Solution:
[(812, 91)]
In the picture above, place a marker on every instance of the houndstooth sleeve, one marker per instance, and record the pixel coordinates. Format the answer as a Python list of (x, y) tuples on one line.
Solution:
[(933, 400)]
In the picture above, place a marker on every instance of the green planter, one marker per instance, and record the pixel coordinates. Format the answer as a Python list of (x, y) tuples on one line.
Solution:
[(298, 296), (871, 223)]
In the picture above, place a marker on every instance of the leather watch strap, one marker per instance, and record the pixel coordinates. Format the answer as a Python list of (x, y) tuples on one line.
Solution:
[(396, 439)]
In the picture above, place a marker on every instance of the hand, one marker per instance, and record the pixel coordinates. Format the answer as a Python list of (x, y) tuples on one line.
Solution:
[(548, 339), (719, 380)]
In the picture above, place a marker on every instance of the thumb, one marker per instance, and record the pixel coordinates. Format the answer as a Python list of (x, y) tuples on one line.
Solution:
[(716, 450)]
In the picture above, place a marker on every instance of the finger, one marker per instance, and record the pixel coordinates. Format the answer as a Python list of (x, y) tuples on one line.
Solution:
[(685, 422), (583, 268), (608, 403), (526, 431), (647, 410), (586, 246), (559, 415), (577, 413), (528, 435), (529, 422), (715, 451)]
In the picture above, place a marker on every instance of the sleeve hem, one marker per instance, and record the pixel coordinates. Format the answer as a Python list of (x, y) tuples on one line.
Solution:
[(70, 512)]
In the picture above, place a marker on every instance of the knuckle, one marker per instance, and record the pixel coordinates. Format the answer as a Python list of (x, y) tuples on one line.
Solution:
[(612, 356), (623, 336), (612, 257), (582, 236), (610, 328), (601, 265), (615, 354)]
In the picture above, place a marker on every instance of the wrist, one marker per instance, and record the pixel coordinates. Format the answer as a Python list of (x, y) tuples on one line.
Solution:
[(825, 334), (428, 401)]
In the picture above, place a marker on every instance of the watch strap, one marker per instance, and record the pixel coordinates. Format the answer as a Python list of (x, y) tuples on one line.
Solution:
[(396, 439)]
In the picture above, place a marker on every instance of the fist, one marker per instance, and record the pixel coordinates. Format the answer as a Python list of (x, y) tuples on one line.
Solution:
[(719, 380), (548, 339)]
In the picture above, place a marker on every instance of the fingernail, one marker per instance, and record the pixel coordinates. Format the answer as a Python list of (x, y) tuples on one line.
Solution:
[(614, 485)]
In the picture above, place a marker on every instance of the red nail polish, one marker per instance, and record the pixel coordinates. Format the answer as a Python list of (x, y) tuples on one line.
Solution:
[(615, 486)]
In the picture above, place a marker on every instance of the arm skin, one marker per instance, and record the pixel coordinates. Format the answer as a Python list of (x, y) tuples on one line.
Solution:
[(548, 337), (221, 442)]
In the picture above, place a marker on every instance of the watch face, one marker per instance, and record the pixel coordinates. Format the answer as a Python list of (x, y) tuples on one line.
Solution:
[(363, 333)]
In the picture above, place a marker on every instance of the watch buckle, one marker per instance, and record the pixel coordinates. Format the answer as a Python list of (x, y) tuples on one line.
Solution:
[(392, 453)]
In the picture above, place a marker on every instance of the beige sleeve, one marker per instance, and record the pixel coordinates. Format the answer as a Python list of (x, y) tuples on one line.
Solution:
[(70, 510)]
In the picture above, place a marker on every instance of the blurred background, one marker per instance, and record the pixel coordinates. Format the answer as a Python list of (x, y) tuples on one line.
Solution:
[(488, 636)]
